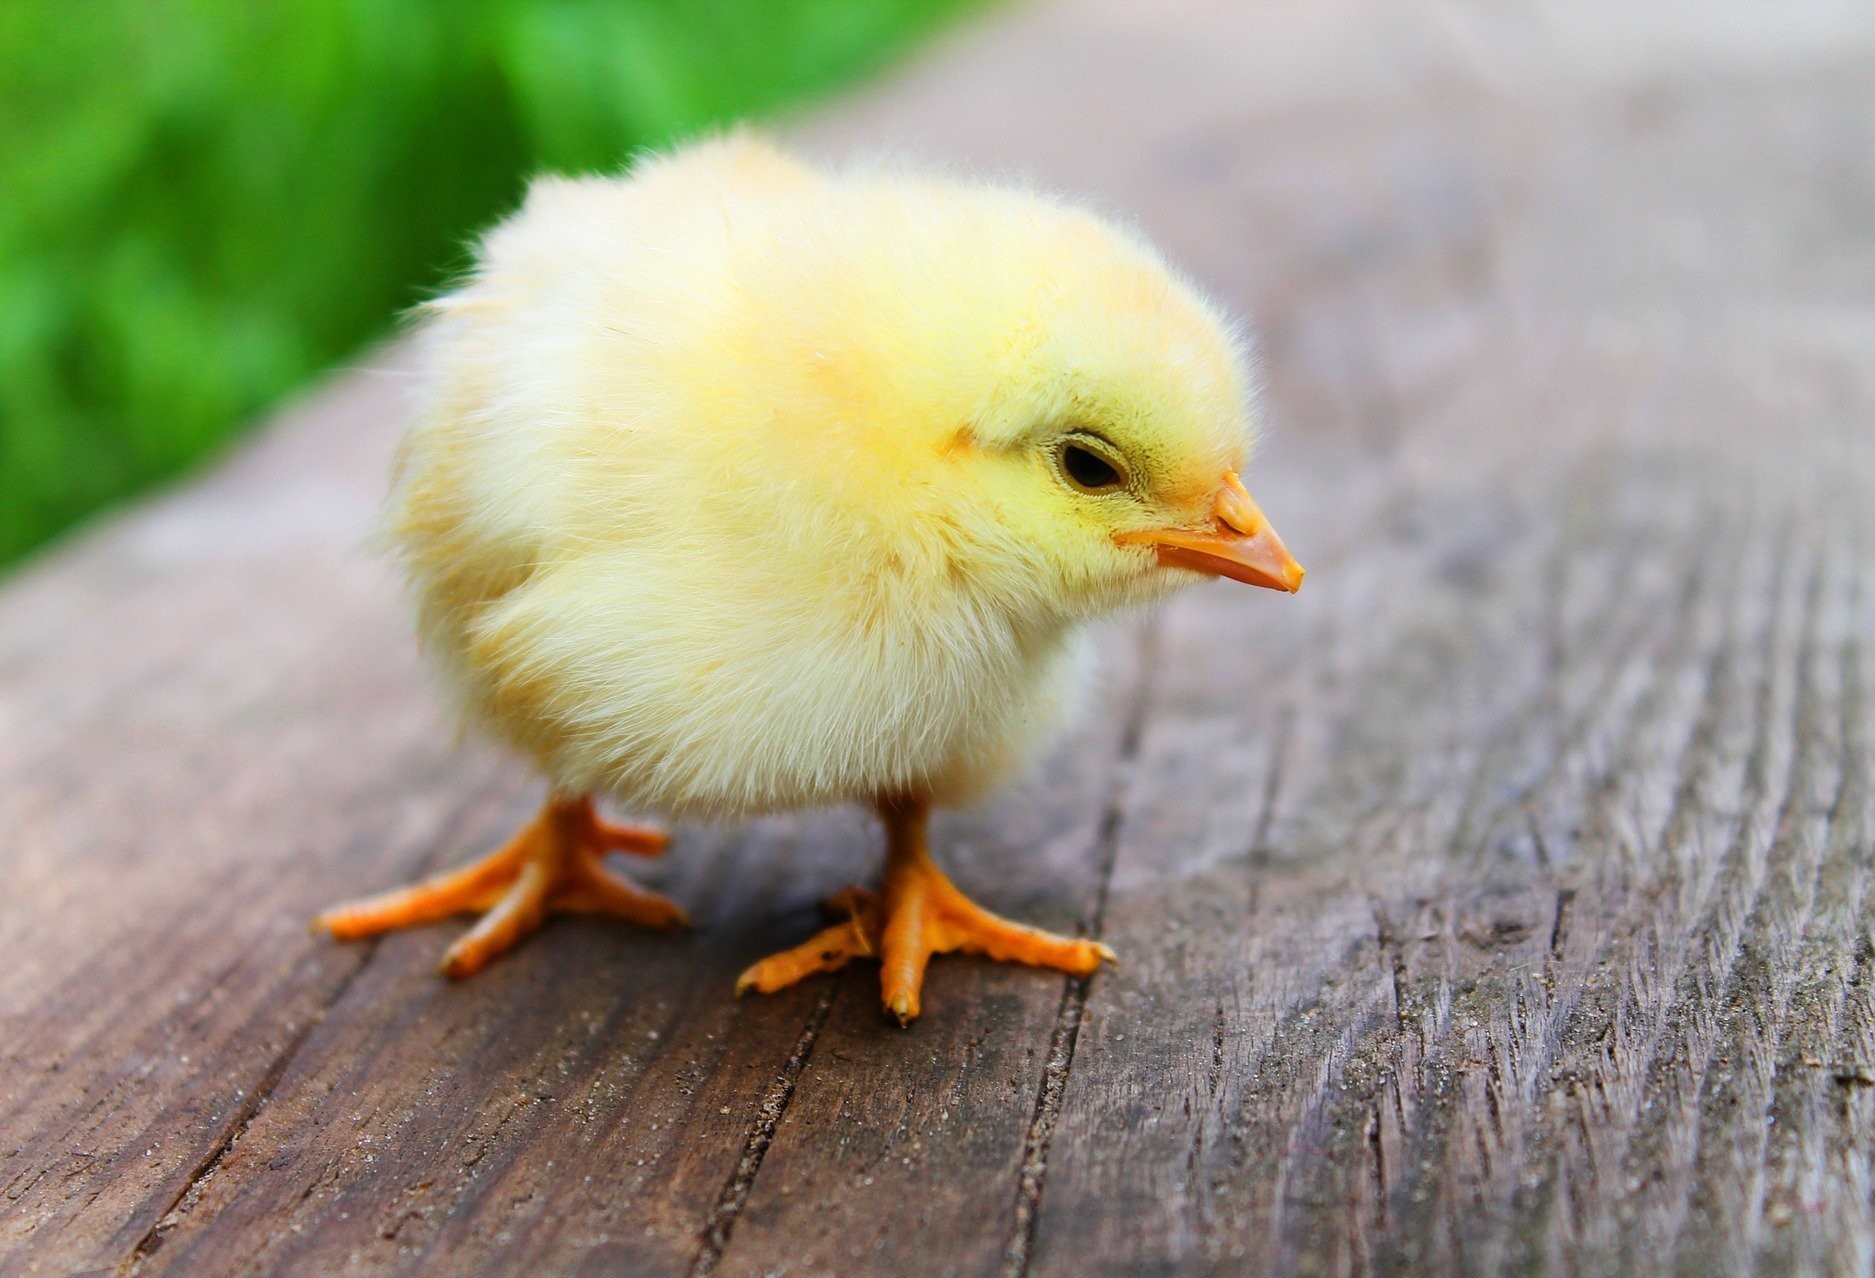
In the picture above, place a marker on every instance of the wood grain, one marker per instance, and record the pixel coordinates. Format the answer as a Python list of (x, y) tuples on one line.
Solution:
[(1499, 904)]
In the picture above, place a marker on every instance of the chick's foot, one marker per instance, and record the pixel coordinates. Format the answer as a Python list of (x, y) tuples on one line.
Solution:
[(919, 914), (553, 863)]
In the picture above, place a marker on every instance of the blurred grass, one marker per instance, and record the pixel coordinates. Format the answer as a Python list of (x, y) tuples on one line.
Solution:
[(207, 201)]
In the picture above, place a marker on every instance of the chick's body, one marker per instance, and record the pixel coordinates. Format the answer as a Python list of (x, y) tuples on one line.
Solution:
[(739, 486)]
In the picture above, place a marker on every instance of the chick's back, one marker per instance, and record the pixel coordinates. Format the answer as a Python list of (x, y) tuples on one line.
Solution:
[(653, 506)]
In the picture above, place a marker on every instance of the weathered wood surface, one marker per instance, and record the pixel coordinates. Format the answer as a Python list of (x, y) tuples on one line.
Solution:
[(1500, 904)]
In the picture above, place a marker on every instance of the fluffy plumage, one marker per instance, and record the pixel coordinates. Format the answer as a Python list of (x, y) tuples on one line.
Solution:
[(742, 486), (733, 494)]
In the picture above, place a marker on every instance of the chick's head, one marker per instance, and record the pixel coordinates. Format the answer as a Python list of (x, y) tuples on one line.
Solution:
[(1059, 420)]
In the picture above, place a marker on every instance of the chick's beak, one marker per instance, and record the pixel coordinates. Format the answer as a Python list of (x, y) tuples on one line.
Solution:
[(1240, 544)]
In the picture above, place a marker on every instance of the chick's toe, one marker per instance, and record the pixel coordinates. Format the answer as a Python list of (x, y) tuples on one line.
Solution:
[(921, 913), (553, 863), (828, 950)]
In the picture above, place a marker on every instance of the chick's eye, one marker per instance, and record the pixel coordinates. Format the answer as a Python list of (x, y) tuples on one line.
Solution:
[(1088, 470)]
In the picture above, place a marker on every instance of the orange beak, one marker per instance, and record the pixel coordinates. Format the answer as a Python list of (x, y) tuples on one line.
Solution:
[(1240, 544)]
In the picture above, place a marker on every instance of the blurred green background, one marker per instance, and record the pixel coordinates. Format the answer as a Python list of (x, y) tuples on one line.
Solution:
[(205, 202)]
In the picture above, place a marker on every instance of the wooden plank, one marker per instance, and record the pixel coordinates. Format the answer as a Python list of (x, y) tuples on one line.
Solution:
[(1478, 907), (597, 1104), (587, 1107), (1504, 978), (159, 870)]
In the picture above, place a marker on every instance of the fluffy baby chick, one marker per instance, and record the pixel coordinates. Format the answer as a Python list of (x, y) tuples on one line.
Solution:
[(741, 486)]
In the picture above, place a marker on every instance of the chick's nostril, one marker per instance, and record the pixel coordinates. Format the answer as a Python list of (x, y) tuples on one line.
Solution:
[(1235, 510), (1239, 525)]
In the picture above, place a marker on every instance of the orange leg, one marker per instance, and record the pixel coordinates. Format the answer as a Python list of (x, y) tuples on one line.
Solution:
[(920, 913), (553, 863)]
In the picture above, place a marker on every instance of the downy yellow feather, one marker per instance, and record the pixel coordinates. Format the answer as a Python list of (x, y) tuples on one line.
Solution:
[(739, 485)]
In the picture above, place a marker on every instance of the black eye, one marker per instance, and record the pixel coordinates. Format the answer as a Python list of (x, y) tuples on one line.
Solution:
[(1088, 470)]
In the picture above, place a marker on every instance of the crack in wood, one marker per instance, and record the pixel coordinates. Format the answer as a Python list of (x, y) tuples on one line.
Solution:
[(1559, 923), (1032, 1181), (434, 851), (238, 1122), (1272, 786), (720, 1225)]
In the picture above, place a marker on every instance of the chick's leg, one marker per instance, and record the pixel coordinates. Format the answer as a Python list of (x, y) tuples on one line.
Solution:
[(920, 913), (553, 863)]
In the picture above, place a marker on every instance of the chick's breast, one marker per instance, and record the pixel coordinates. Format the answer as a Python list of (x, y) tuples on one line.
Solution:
[(640, 545)]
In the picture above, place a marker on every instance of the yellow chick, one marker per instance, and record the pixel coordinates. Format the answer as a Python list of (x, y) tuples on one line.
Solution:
[(741, 486)]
